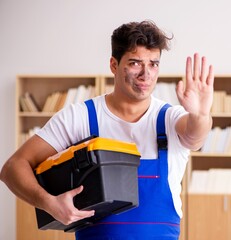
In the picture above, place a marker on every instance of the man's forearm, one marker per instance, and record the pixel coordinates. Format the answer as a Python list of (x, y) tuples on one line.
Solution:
[(20, 179), (196, 130)]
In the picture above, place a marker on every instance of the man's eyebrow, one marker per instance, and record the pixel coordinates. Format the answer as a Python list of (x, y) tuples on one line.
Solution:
[(139, 60), (155, 61), (135, 60)]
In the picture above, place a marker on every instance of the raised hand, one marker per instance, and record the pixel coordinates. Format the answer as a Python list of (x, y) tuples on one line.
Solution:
[(196, 96)]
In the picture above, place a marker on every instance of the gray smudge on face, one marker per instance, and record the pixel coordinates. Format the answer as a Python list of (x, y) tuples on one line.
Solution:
[(130, 78)]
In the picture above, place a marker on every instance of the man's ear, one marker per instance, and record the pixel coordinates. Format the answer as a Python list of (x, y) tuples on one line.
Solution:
[(113, 65)]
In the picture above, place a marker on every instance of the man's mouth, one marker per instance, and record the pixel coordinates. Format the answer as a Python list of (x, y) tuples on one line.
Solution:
[(142, 87)]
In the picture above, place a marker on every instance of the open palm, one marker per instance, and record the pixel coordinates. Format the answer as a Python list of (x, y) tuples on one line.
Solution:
[(197, 94)]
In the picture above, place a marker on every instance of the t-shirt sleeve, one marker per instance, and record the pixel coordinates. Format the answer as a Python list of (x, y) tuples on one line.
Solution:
[(66, 127), (173, 115)]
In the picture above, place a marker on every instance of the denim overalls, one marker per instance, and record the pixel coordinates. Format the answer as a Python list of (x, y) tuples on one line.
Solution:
[(156, 217)]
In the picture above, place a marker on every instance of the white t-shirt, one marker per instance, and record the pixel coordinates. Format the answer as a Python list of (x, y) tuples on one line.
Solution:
[(71, 125)]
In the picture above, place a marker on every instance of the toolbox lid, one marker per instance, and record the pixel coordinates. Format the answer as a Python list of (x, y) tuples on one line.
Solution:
[(97, 143)]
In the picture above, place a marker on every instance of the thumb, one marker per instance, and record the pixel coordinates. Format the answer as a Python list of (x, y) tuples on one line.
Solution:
[(76, 191), (180, 90)]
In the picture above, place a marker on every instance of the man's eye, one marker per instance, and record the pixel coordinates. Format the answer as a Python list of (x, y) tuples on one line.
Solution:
[(155, 64), (135, 64)]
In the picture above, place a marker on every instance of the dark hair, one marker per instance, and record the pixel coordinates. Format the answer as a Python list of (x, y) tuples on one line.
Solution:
[(128, 36)]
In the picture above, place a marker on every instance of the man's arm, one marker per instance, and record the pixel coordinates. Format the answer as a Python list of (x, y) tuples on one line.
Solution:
[(197, 98), (18, 175)]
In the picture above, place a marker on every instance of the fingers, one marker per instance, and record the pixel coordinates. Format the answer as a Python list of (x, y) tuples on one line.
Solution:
[(204, 70), (189, 74), (196, 67), (76, 215), (67, 212), (79, 214), (207, 75), (200, 70), (210, 78)]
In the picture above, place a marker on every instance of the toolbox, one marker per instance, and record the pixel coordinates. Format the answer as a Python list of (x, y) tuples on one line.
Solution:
[(107, 169)]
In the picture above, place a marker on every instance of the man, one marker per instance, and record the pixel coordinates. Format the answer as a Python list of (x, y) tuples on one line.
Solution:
[(129, 113)]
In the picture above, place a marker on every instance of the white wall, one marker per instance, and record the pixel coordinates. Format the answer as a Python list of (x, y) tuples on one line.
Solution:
[(73, 37)]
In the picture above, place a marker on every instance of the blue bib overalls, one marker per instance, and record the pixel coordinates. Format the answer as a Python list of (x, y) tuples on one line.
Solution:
[(155, 217)]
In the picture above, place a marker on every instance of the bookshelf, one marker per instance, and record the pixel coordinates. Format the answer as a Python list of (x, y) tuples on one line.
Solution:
[(209, 173), (40, 87), (106, 83)]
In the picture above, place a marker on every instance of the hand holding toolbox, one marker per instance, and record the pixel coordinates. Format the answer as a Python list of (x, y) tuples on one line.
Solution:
[(106, 168)]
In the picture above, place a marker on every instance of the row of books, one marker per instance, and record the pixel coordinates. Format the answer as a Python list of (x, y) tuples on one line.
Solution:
[(212, 181), (218, 141), (166, 92), (221, 102), (57, 100)]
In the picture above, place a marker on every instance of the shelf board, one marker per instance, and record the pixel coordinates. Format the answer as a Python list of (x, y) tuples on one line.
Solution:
[(208, 194), (36, 114), (210, 154), (221, 114)]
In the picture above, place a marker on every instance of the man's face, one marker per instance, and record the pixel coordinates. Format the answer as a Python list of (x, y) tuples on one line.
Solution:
[(136, 74)]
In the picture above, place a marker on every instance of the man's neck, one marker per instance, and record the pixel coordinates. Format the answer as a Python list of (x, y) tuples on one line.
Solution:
[(130, 111)]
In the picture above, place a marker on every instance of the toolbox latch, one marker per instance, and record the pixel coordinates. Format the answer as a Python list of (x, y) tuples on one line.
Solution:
[(81, 159)]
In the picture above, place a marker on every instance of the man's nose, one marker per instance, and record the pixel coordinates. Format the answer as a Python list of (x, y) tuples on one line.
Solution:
[(144, 73)]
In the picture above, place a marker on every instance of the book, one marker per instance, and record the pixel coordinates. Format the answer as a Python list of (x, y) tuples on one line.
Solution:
[(218, 101), (221, 141), (214, 139), (212, 181), (46, 106), (81, 94), (23, 104), (166, 92), (28, 103), (198, 181), (53, 101), (207, 143), (71, 94), (227, 104), (60, 101), (227, 146)]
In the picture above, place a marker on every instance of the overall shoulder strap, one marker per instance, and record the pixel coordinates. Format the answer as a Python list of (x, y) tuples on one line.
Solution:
[(93, 122), (162, 141)]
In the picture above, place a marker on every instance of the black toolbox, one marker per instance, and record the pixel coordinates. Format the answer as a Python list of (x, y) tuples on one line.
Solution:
[(106, 168)]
